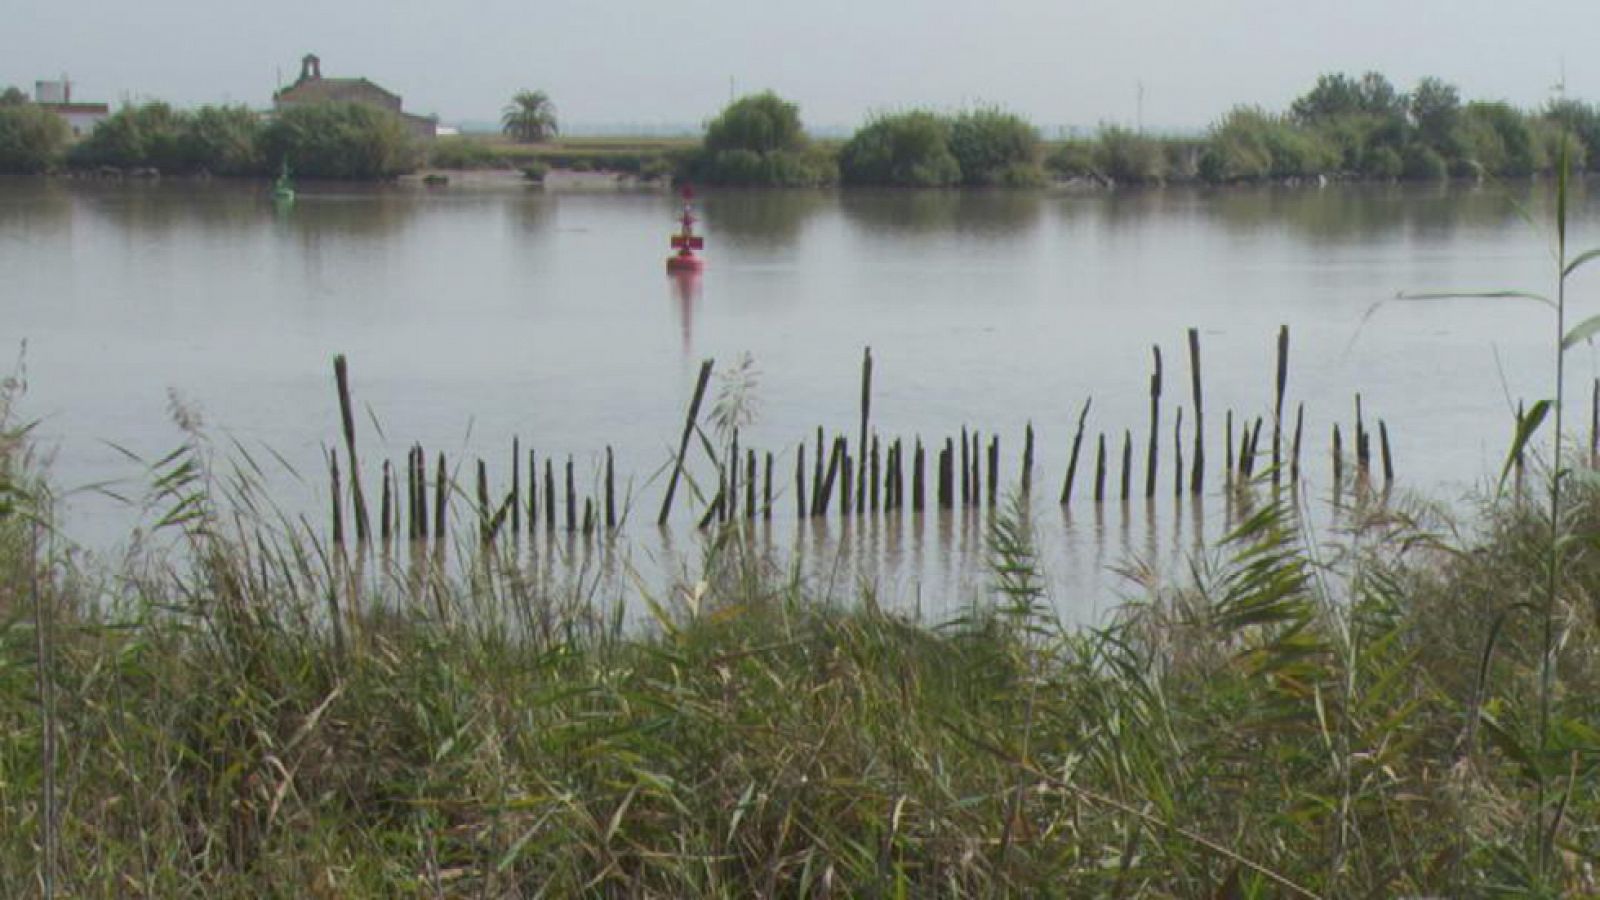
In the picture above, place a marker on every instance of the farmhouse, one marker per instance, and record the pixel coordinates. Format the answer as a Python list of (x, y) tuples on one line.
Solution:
[(56, 96), (311, 87)]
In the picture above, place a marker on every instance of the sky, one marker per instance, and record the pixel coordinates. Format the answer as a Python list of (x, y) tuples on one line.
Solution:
[(656, 63)]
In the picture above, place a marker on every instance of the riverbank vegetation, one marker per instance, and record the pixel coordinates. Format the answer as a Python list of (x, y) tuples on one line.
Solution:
[(239, 708)]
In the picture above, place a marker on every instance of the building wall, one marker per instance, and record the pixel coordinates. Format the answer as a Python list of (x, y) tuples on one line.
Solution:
[(350, 90)]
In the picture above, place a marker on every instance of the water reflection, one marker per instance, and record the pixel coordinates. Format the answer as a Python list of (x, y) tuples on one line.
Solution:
[(686, 294), (975, 213), (1366, 212), (761, 220), (34, 205)]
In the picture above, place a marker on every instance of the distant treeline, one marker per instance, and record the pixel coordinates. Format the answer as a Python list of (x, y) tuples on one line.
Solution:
[(1344, 127), (321, 140)]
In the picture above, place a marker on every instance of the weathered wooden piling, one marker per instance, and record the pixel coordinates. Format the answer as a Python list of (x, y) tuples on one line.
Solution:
[(572, 498), (1100, 471), (1197, 480), (1294, 452), (1338, 459), (994, 468), (766, 489), (1072, 459), (683, 444), (1127, 464), (1363, 455), (977, 468), (1155, 426), (1177, 453), (866, 413), (441, 501), (749, 484), (876, 469), (1282, 384), (412, 531), (533, 492), (386, 507), (341, 377), (946, 475), (338, 501), (847, 484), (824, 491), (800, 482), (816, 478), (483, 502), (549, 496), (1383, 445), (588, 515), (918, 484), (611, 491), (516, 486), (1027, 459), (966, 468)]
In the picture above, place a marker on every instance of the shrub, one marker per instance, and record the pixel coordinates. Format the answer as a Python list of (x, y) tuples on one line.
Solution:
[(535, 171), (758, 141), (1498, 138), (1423, 163), (225, 140), (1128, 157), (1381, 162), (1252, 145), (462, 153), (339, 140), (995, 148), (31, 139), (1072, 159), (148, 136), (910, 149)]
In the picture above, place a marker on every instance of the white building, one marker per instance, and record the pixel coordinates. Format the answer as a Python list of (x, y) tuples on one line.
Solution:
[(56, 96)]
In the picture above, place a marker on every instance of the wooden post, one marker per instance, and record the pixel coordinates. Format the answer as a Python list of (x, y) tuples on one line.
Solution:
[(683, 444), (1594, 426), (549, 496), (1227, 450), (732, 468), (572, 500), (766, 489), (533, 492), (918, 459), (516, 486), (994, 468), (1294, 452), (1100, 471), (946, 475), (824, 491), (846, 484), (341, 376), (1155, 426), (1072, 460), (1338, 459), (386, 508), (588, 515), (422, 493), (1388, 462), (1177, 454), (1198, 478), (817, 502), (876, 469), (861, 445), (800, 482), (749, 483), (611, 491), (1127, 463), (1027, 459), (1277, 406), (412, 532), (441, 501), (966, 468), (977, 468), (338, 501), (1362, 458), (483, 503)]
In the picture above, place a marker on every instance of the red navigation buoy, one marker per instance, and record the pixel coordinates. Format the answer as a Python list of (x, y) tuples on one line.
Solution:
[(686, 242)]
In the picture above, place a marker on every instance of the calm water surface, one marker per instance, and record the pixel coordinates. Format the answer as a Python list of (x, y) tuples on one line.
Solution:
[(472, 315)]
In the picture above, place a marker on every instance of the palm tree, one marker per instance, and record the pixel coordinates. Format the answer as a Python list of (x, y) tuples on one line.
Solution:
[(530, 117)]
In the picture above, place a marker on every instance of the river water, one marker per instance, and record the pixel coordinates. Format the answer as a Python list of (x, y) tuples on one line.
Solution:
[(472, 315)]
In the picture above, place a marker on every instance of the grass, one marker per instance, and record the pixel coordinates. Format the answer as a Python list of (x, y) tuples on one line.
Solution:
[(235, 714)]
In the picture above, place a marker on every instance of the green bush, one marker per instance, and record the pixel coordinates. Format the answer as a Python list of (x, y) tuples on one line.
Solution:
[(223, 140), (31, 139), (1499, 139), (340, 140), (462, 153), (1251, 145), (758, 141), (147, 136), (909, 149), (1422, 163), (535, 171), (995, 148), (1127, 157), (1072, 159)]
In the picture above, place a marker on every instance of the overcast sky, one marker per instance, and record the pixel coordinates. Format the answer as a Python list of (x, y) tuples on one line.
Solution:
[(1060, 62)]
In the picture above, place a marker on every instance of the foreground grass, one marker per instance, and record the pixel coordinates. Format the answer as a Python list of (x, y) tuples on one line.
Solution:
[(238, 716)]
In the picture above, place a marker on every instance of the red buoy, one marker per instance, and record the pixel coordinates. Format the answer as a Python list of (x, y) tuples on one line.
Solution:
[(686, 242)]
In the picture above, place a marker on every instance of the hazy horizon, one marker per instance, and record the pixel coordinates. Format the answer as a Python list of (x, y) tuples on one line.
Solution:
[(670, 66)]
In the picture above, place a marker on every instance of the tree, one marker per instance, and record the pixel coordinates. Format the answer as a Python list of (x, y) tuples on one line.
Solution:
[(1436, 111), (339, 140), (144, 136), (758, 141), (12, 96), (760, 123), (529, 118), (909, 149), (223, 140), (995, 147), (31, 139)]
